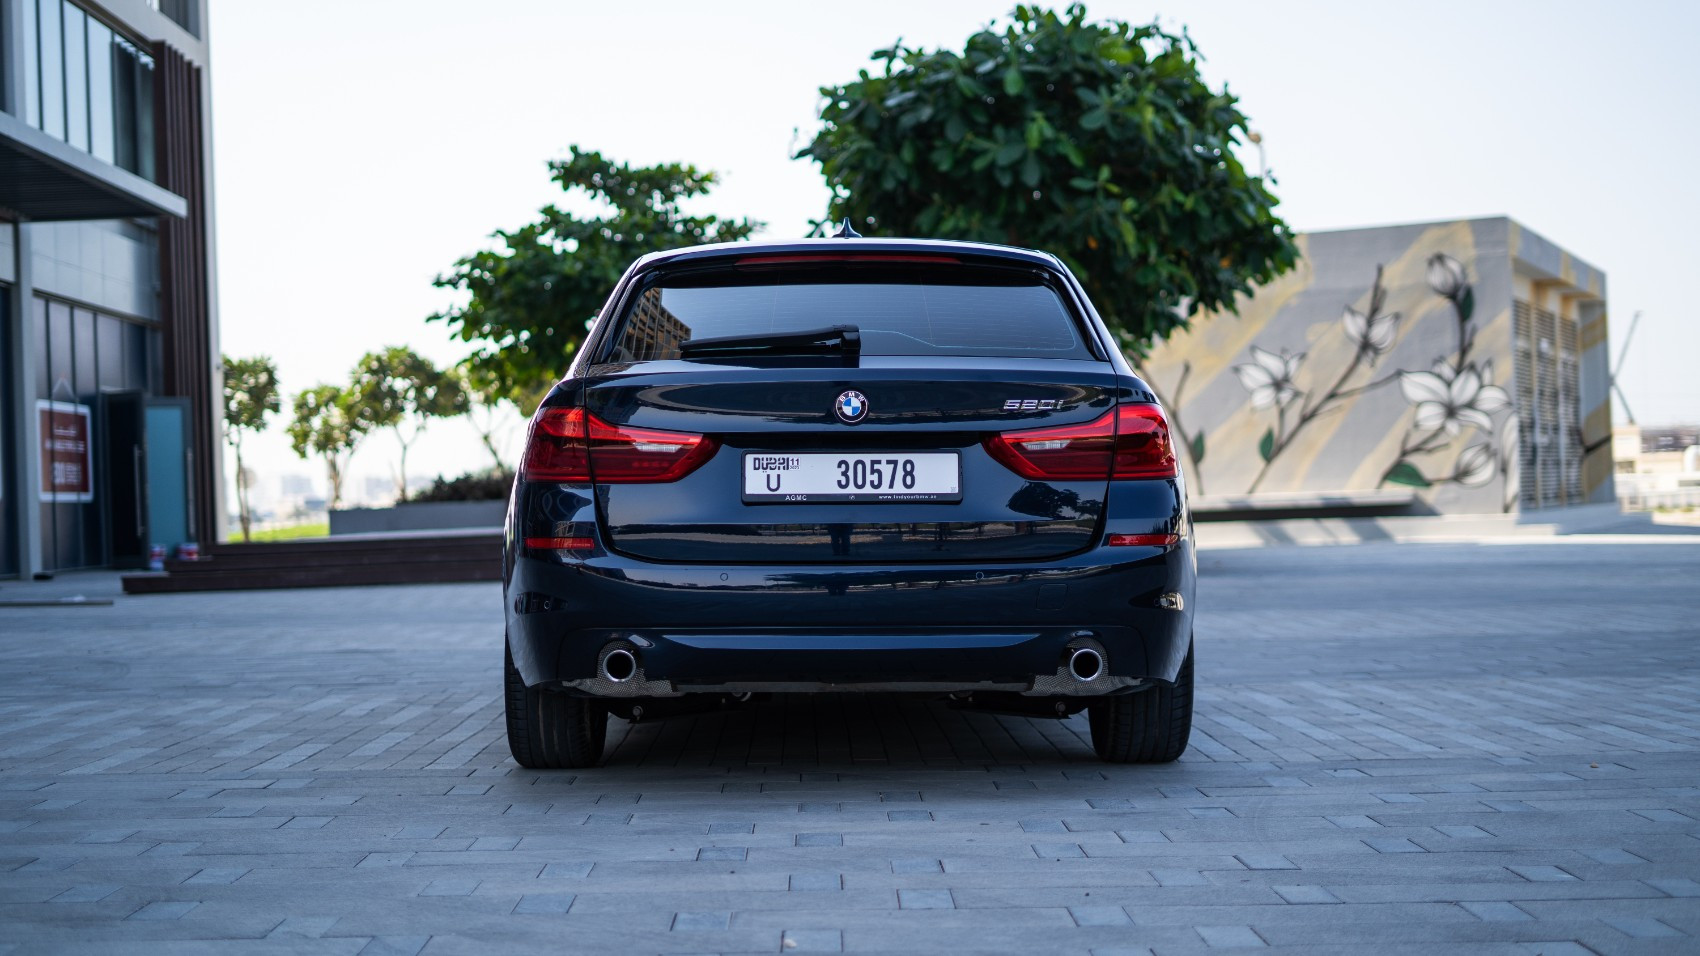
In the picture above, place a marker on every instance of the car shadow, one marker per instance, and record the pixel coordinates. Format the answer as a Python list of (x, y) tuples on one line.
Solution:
[(822, 730)]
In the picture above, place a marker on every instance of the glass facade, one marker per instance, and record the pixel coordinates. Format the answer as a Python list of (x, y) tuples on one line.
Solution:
[(81, 353), (88, 85)]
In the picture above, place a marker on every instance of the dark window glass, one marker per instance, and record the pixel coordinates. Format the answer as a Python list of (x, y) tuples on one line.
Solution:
[(144, 117), (100, 90), (124, 104), (61, 369), (138, 357), (76, 77), (43, 349), (52, 49), (109, 352), (930, 310)]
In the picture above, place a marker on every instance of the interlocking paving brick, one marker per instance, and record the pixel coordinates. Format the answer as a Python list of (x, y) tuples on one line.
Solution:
[(925, 900), (1305, 894), (1641, 927), (1099, 916), (86, 894), (812, 882), (701, 921), (166, 909), (1229, 937), (337, 778), (1495, 911), (544, 903)]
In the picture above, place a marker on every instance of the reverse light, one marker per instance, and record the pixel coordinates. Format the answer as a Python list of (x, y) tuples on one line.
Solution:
[(572, 445), (1127, 442)]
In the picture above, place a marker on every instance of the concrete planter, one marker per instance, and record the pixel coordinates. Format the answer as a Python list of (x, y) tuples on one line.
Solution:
[(419, 516)]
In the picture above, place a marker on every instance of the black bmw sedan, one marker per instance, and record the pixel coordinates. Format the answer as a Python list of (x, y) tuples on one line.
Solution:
[(848, 465)]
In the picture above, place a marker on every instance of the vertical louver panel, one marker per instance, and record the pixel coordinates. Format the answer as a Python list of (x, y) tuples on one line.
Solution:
[(189, 360), (1570, 407), (1549, 435), (1523, 334)]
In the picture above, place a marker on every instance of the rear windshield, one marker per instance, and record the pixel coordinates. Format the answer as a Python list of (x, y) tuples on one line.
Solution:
[(926, 310)]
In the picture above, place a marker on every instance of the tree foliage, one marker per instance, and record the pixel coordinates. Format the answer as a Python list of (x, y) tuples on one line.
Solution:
[(531, 300), (492, 405), (1099, 142), (325, 424), (397, 387), (250, 395)]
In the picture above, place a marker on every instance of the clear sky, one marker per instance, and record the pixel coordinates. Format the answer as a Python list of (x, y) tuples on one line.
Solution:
[(360, 148)]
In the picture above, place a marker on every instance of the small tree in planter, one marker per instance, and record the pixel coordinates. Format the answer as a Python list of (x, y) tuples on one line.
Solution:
[(250, 394), (325, 425), (493, 402), (398, 385)]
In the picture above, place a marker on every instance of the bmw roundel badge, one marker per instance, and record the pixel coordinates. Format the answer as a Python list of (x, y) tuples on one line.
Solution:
[(851, 406)]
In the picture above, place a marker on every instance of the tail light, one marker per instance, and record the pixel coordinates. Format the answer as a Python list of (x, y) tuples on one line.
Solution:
[(573, 445), (1129, 441)]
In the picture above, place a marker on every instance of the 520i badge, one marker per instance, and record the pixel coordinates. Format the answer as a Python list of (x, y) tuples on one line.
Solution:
[(851, 406)]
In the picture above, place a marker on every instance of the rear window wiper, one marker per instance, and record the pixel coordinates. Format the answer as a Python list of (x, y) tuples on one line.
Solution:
[(839, 340)]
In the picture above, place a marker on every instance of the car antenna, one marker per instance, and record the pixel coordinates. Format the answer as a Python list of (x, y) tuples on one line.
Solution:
[(845, 231)]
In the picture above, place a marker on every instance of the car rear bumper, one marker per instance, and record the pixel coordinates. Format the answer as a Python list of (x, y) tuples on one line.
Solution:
[(852, 627)]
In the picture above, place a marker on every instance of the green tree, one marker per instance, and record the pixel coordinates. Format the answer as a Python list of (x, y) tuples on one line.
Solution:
[(493, 404), (531, 300), (1099, 142), (325, 424), (397, 387), (250, 394)]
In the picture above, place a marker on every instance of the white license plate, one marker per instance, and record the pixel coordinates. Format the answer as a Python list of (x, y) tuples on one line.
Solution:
[(771, 477)]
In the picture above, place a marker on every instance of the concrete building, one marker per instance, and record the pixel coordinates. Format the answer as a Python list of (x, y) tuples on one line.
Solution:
[(109, 409), (1449, 367)]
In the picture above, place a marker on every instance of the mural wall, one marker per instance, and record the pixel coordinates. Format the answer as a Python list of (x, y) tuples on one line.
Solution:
[(1384, 361)]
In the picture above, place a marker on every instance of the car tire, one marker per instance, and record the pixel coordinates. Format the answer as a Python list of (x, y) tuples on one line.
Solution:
[(549, 730), (1151, 726)]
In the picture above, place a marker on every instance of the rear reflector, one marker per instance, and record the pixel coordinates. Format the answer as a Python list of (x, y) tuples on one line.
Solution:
[(572, 445), (1143, 540), (1129, 441), (561, 544)]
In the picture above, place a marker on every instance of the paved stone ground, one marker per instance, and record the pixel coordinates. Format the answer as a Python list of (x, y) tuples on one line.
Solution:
[(1410, 748)]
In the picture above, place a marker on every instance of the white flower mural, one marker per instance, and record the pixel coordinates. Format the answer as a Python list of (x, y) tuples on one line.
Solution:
[(1373, 334), (1269, 377), (1454, 397), (1448, 400), (1475, 466)]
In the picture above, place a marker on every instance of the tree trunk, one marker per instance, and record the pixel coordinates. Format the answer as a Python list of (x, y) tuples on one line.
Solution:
[(333, 473), (242, 493)]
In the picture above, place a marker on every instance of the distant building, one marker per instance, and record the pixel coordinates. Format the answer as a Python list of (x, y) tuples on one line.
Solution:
[(1462, 364), (109, 416), (1657, 467)]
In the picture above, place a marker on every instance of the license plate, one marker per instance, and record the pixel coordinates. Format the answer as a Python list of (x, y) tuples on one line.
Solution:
[(830, 477)]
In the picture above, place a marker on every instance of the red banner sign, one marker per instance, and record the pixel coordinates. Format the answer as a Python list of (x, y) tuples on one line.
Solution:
[(67, 462)]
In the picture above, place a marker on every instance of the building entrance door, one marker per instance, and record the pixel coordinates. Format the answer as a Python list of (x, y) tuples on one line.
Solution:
[(126, 477)]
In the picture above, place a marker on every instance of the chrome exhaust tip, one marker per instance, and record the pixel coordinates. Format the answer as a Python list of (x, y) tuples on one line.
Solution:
[(618, 665), (1086, 664)]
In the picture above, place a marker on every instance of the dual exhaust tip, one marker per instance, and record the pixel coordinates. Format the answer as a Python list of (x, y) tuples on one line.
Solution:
[(1086, 664)]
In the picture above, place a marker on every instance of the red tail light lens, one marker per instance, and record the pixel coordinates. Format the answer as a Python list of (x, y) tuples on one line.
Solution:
[(1129, 441), (1143, 449), (573, 445), (555, 449)]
